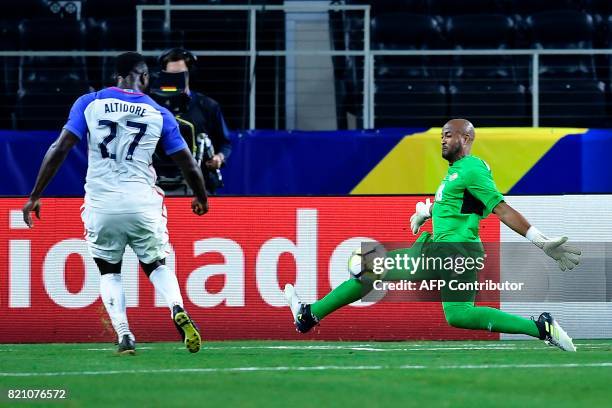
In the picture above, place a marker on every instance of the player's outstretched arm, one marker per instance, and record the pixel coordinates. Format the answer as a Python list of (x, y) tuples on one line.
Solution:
[(195, 180), (566, 256), (55, 156)]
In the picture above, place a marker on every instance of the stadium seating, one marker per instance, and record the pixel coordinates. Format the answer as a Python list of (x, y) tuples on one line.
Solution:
[(422, 33), (579, 103), (9, 40), (577, 29), (103, 9), (51, 33), (405, 31), (601, 7), (396, 24), (392, 6), (526, 8), (607, 59), (407, 84), (490, 103), (570, 91), (485, 88), (494, 32), (25, 9), (402, 104), (457, 8), (49, 85)]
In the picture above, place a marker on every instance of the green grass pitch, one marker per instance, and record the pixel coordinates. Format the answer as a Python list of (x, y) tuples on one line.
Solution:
[(313, 374)]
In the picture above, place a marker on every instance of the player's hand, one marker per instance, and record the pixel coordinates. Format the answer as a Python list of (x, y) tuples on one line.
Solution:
[(214, 163), (199, 207), (568, 257), (31, 205), (422, 214)]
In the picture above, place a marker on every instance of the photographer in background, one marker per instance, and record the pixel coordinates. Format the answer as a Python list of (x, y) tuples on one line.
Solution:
[(203, 113)]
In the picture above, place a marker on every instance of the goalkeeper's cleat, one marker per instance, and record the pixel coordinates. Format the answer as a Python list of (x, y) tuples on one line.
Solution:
[(127, 346), (552, 333), (302, 316), (190, 333)]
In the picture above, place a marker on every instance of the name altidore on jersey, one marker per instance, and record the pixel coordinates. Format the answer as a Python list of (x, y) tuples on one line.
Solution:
[(124, 107)]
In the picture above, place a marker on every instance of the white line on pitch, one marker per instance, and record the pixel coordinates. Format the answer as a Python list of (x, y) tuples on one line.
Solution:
[(372, 349), (110, 348), (311, 368), (485, 366)]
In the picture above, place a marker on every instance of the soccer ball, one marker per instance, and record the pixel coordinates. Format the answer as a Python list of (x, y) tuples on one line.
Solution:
[(360, 263), (355, 263)]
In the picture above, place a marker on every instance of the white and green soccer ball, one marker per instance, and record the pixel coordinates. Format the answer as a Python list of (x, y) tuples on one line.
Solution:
[(355, 263), (360, 262)]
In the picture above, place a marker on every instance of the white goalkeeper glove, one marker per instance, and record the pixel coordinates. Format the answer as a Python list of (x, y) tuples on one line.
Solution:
[(568, 257), (422, 214)]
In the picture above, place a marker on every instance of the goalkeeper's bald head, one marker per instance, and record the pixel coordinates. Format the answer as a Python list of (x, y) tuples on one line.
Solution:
[(457, 138), (462, 126)]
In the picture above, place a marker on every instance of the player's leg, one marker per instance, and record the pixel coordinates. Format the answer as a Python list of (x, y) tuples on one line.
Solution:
[(458, 305), (166, 284), (356, 287), (113, 297), (466, 315), (460, 311), (148, 237), (106, 244), (165, 281)]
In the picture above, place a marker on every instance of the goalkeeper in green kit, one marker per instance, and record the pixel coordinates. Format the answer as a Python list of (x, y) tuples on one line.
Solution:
[(466, 195)]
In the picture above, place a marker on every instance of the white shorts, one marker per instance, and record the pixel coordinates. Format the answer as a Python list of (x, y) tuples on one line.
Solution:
[(108, 234)]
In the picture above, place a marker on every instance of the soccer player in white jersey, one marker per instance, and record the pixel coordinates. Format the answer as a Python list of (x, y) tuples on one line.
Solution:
[(122, 127)]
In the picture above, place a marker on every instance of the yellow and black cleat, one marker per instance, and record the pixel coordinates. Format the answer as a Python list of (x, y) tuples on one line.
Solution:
[(190, 333), (553, 334)]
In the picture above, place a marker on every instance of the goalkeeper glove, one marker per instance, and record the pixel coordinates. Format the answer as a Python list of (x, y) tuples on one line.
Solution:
[(568, 257), (422, 214)]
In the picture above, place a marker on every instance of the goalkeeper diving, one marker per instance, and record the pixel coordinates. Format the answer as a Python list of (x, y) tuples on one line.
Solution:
[(466, 195)]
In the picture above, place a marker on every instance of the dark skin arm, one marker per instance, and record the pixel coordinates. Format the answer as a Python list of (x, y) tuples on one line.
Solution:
[(512, 218), (55, 156), (193, 175)]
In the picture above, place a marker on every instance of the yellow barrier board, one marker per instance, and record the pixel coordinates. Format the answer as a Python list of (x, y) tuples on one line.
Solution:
[(415, 165)]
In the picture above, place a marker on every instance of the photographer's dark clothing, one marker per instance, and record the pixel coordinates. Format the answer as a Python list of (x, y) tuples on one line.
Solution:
[(205, 114)]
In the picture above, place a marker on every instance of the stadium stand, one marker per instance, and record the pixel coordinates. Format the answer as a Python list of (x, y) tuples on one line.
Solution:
[(570, 92), (409, 91), (48, 85), (486, 88)]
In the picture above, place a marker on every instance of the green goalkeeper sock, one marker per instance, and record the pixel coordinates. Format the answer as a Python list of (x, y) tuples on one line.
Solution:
[(348, 292), (467, 316)]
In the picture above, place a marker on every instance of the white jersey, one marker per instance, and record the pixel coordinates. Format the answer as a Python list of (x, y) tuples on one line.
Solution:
[(123, 128)]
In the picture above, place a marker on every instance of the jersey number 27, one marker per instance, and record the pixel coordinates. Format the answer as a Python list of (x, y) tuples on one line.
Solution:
[(142, 128)]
